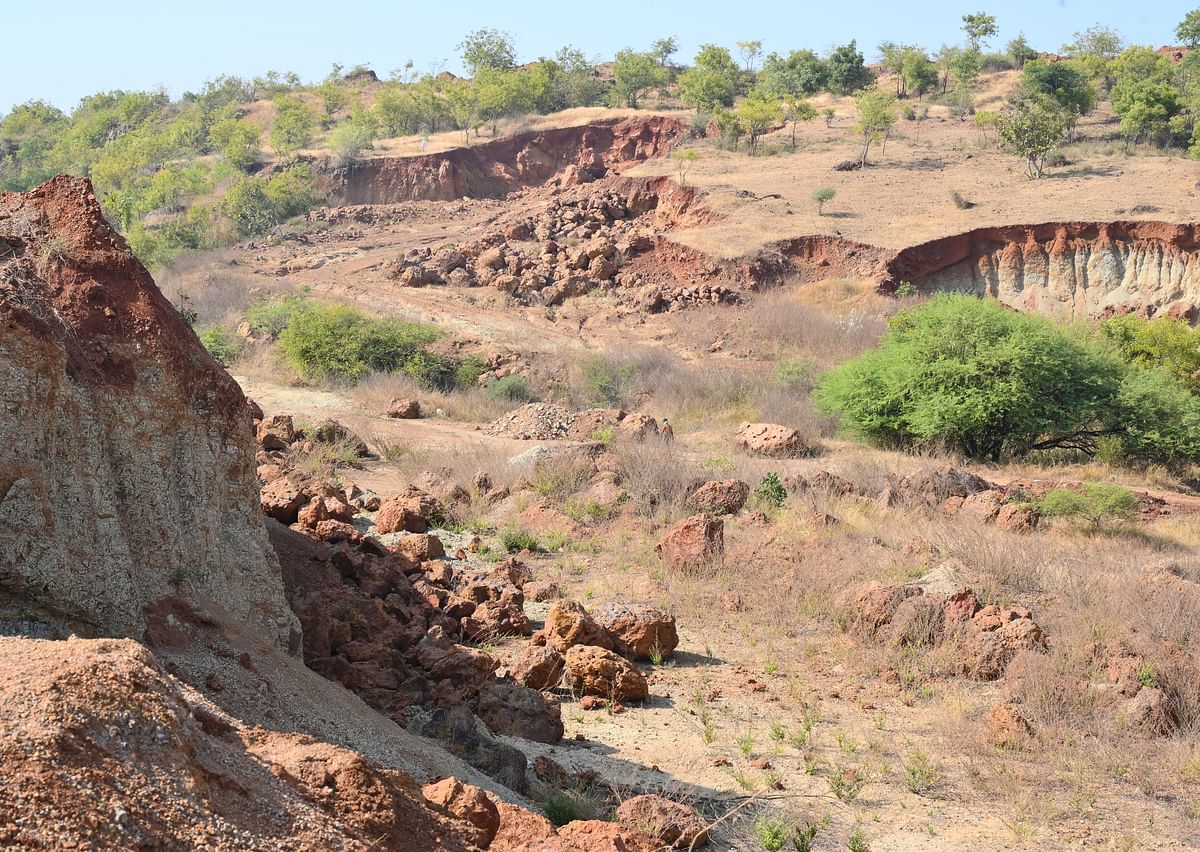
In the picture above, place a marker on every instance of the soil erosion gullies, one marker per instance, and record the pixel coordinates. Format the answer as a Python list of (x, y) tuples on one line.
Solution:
[(1064, 268), (495, 168), (127, 470)]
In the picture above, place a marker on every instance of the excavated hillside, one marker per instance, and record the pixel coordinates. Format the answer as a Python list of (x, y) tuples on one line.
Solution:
[(493, 169), (126, 469)]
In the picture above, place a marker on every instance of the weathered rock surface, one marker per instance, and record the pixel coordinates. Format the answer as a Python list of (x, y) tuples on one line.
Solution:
[(595, 671), (695, 544), (127, 464), (639, 631), (771, 440)]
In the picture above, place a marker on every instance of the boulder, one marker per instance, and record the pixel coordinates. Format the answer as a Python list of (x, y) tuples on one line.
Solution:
[(1152, 711), (419, 547), (638, 426), (468, 804), (720, 497), (862, 610), (521, 828), (1014, 517), (404, 409), (276, 432), (282, 498), (595, 671), (934, 485), (538, 667), (518, 711), (918, 622), (639, 631), (401, 514), (332, 432), (1007, 728), (995, 636), (593, 835), (671, 823), (771, 440), (695, 544), (568, 624)]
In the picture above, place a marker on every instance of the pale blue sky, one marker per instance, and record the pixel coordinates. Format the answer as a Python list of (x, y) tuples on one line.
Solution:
[(60, 50)]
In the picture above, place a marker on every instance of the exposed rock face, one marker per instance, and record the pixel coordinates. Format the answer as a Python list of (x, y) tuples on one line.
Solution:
[(127, 468), (695, 544), (771, 440), (495, 168), (1065, 268)]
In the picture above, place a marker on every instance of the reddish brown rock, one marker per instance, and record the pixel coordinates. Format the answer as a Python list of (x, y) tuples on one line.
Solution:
[(419, 547), (518, 711), (538, 668), (639, 631), (1007, 728), (468, 804), (720, 497), (595, 671), (772, 440), (520, 827), (568, 624), (1015, 517), (595, 835), (1152, 711), (282, 498), (863, 609), (671, 823), (695, 544), (276, 432), (404, 409), (997, 635)]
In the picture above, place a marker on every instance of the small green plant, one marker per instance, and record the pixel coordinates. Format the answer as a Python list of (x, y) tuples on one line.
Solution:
[(803, 836), (857, 842), (846, 743), (221, 343), (709, 735), (920, 773), (779, 733), (745, 743), (770, 667), (770, 493), (846, 782), (512, 389), (822, 196), (742, 779), (684, 159), (564, 806), (1147, 676), (906, 290), (516, 539), (1096, 503), (470, 368), (771, 833), (604, 435)]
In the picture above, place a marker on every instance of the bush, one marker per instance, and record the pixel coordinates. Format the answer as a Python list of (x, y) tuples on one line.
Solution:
[(271, 317), (1095, 502), (255, 205), (822, 196), (770, 493), (516, 539), (605, 382), (221, 343), (979, 379), (337, 342), (512, 389), (470, 368)]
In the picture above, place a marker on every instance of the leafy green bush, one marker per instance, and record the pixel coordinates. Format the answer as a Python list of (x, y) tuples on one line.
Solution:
[(221, 343), (770, 493), (1097, 503), (511, 388), (271, 316), (257, 204), (977, 378), (1162, 342), (329, 341), (605, 382), (516, 539), (470, 368)]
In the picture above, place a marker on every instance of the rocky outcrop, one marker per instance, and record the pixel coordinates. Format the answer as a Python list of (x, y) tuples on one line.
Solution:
[(1064, 268), (127, 465), (496, 168)]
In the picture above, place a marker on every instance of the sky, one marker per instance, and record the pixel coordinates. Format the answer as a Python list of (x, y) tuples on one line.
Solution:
[(61, 50)]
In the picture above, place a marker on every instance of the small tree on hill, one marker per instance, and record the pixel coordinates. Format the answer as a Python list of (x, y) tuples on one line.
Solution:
[(846, 70), (1020, 52), (1097, 503), (663, 49), (750, 51), (1032, 127), (684, 159), (488, 48), (1188, 31), (634, 75), (876, 115), (979, 27), (822, 196), (796, 111), (758, 114)]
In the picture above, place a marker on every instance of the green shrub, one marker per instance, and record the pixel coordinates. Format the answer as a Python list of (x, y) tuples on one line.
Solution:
[(516, 539), (564, 806), (1097, 503), (511, 388), (470, 368), (328, 341), (606, 383), (771, 833), (972, 376), (221, 343), (905, 290), (271, 316), (770, 493), (1162, 342), (255, 205)]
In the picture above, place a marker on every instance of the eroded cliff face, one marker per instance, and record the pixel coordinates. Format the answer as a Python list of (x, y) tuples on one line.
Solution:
[(496, 168), (1065, 268), (127, 471)]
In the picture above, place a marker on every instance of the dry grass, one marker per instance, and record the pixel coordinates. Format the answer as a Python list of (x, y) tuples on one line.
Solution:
[(216, 290), (376, 391)]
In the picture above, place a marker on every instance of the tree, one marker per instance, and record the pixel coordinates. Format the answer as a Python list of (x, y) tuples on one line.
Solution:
[(575, 83), (1188, 30), (876, 115), (1020, 52), (757, 114), (979, 27), (463, 104), (1066, 82), (663, 49), (797, 110), (846, 70), (1094, 502), (711, 81), (1145, 107), (237, 141), (822, 196), (1094, 48), (1032, 127), (1161, 342), (801, 72), (684, 159), (974, 377), (918, 72), (966, 66), (293, 125), (488, 48), (635, 74), (750, 51), (349, 139)]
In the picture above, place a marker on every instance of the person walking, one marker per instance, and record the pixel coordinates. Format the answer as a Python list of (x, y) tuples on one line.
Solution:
[(666, 431)]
